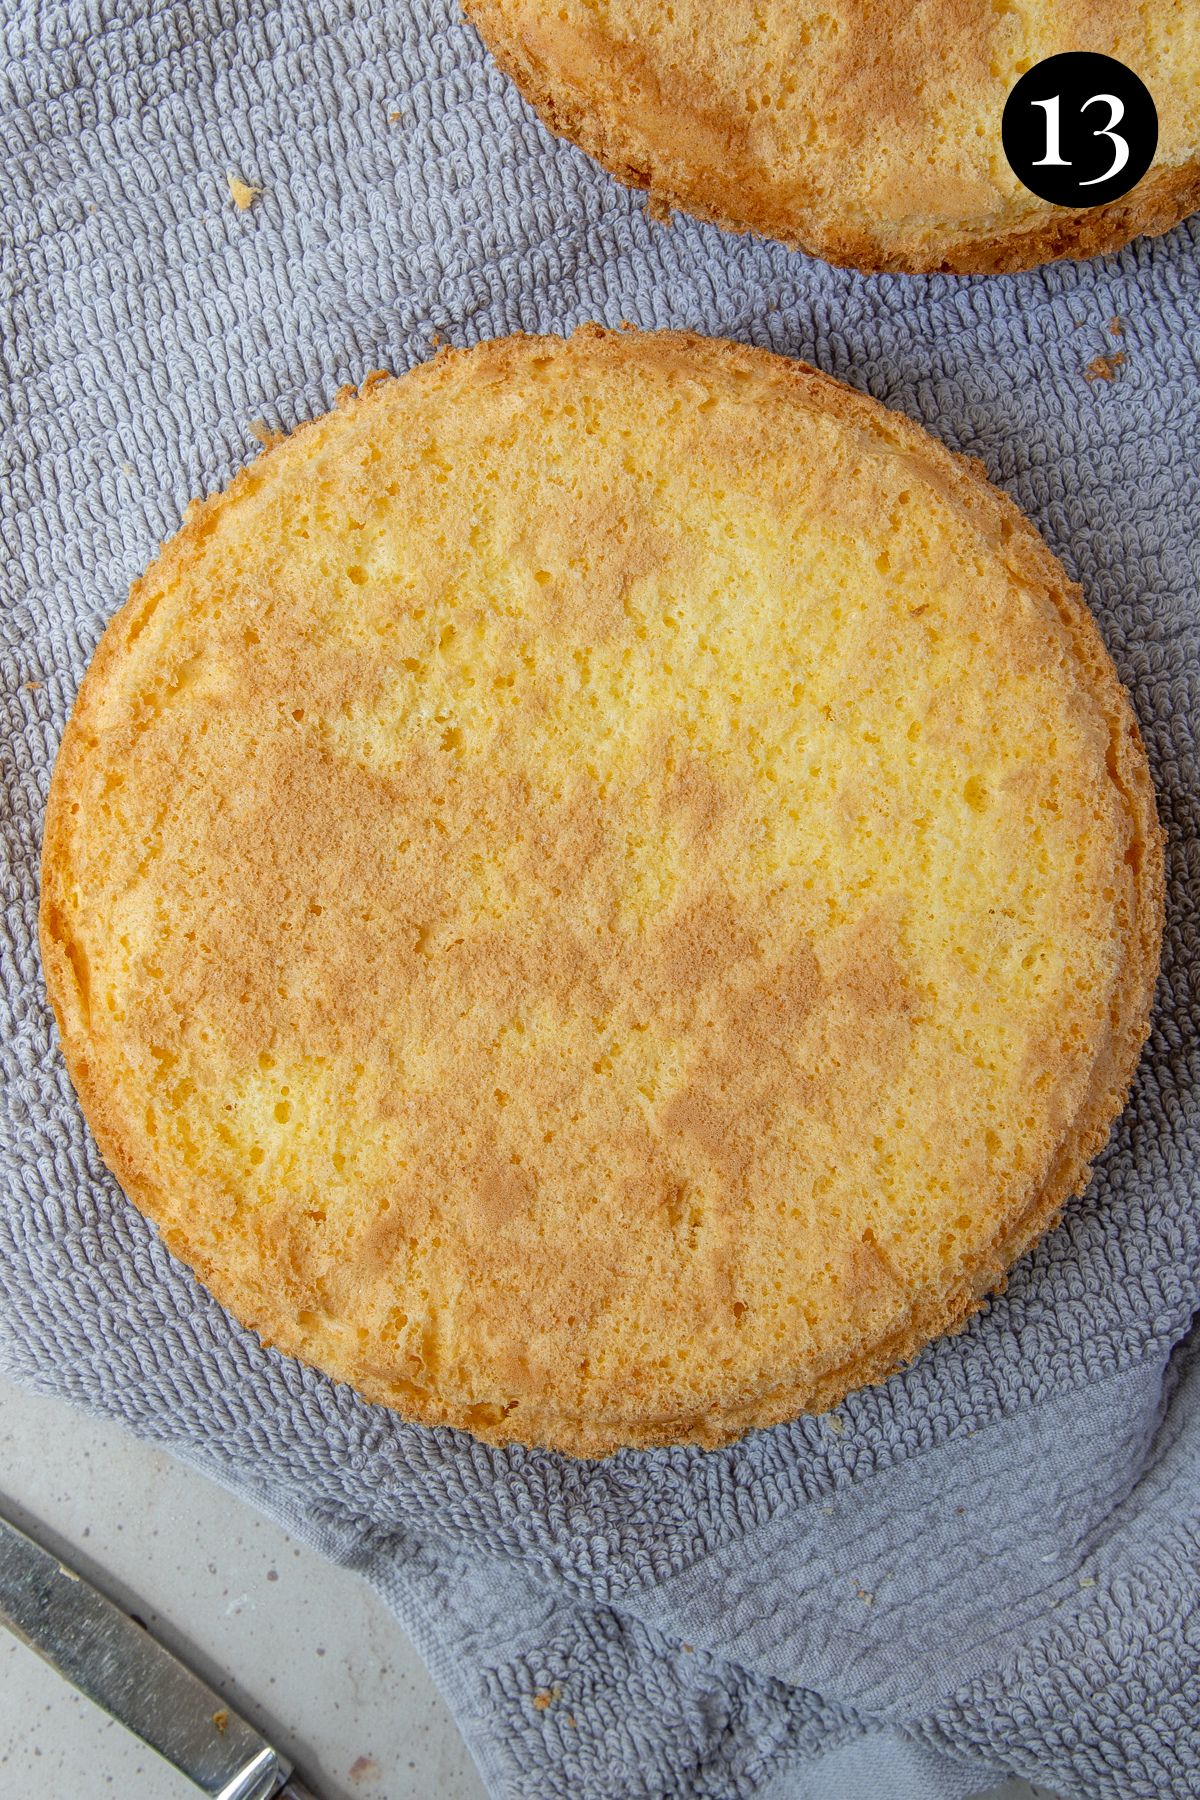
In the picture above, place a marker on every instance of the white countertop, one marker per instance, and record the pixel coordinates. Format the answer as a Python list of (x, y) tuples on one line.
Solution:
[(304, 1649)]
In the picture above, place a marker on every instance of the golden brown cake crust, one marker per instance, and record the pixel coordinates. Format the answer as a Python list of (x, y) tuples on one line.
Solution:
[(530, 863), (832, 130)]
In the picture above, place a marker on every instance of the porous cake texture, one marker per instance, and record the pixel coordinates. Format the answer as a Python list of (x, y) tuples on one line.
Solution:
[(866, 133), (603, 891)]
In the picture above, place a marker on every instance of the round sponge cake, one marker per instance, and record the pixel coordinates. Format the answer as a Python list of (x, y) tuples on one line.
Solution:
[(603, 892), (869, 134)]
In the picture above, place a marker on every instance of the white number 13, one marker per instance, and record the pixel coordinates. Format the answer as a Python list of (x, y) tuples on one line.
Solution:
[(1116, 112)]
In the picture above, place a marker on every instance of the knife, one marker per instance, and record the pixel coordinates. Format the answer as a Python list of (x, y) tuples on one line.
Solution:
[(115, 1662)]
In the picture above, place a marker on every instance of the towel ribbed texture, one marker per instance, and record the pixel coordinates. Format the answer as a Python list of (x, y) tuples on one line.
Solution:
[(991, 1562)]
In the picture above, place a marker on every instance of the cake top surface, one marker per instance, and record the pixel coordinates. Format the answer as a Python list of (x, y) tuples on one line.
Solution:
[(602, 891), (869, 134)]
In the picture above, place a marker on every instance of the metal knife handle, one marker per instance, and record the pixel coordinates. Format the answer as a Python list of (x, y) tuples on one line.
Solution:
[(116, 1663)]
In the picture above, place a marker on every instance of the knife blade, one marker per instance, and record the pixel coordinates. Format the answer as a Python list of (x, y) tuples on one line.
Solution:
[(117, 1663)]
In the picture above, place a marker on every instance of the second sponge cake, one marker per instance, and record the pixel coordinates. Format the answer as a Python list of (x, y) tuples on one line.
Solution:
[(866, 131)]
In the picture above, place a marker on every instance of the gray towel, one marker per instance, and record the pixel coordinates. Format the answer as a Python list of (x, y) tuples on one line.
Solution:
[(988, 1563)]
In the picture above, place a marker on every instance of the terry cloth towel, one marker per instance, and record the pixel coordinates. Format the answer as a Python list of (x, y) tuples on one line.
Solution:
[(988, 1563)]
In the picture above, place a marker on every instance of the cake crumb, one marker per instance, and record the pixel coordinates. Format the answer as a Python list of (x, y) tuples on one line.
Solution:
[(570, 1717), (1104, 368), (547, 1696), (866, 1596), (258, 428), (241, 192), (32, 687), (394, 118), (1116, 327), (221, 1720), (362, 1767)]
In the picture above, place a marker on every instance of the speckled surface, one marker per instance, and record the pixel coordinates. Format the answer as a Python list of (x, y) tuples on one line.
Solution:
[(301, 1647)]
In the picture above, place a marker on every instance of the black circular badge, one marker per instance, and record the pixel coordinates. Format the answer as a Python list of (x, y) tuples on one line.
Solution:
[(1079, 129)]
